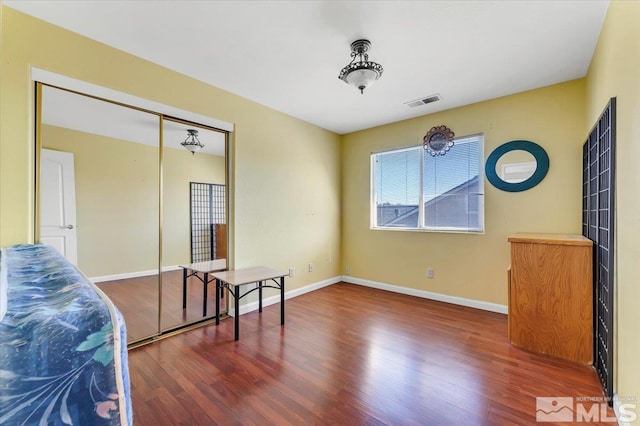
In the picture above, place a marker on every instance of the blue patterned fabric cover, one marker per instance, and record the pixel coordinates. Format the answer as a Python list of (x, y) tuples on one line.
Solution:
[(63, 354)]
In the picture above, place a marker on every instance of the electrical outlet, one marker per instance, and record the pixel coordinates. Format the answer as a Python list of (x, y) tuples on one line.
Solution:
[(290, 272), (430, 273), (347, 270), (311, 267)]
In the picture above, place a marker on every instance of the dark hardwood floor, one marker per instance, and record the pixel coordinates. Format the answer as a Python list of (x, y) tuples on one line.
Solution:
[(350, 355), (137, 300)]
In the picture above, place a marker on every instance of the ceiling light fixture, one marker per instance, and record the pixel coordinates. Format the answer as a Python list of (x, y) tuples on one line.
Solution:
[(363, 73), (192, 143)]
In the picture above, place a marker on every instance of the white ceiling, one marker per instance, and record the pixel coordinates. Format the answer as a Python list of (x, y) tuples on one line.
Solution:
[(69, 110), (287, 54)]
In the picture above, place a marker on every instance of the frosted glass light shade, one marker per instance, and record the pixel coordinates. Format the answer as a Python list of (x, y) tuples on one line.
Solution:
[(193, 147), (362, 78)]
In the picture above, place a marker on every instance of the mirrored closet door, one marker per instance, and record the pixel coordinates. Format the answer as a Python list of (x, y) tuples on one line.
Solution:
[(194, 225), (102, 205), (109, 157)]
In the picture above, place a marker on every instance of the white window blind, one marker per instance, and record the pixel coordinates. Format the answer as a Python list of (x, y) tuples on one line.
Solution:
[(413, 190), (398, 188)]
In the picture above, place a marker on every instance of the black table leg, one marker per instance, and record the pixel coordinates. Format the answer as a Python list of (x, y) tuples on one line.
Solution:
[(184, 288), (282, 300), (237, 311), (259, 296), (204, 299), (218, 289)]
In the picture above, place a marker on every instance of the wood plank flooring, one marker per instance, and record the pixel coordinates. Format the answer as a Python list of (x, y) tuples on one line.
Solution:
[(350, 355), (137, 300)]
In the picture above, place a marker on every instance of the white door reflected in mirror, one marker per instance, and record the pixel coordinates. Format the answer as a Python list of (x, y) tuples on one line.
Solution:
[(516, 166), (58, 203)]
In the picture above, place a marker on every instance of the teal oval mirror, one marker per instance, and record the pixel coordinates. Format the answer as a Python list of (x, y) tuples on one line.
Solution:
[(518, 176)]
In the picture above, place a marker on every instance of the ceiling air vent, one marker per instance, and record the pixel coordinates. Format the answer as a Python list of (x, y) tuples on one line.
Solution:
[(423, 101)]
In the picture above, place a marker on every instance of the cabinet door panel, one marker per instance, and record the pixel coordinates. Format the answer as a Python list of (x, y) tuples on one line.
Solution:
[(550, 299)]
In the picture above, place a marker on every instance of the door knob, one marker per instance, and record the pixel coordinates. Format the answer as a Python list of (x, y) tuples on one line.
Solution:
[(69, 226)]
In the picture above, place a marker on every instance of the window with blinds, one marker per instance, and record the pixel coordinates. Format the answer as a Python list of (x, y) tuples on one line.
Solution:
[(410, 189)]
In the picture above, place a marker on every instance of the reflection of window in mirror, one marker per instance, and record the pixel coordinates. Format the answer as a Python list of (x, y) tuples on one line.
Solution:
[(516, 166)]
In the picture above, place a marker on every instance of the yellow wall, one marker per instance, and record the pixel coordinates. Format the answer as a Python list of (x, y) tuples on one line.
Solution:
[(117, 200), (615, 72), (286, 172), (179, 168), (469, 265)]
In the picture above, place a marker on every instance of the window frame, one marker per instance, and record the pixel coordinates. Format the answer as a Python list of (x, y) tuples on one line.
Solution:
[(373, 204)]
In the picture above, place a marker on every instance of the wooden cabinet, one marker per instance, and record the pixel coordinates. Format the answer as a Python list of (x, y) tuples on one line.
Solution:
[(551, 295)]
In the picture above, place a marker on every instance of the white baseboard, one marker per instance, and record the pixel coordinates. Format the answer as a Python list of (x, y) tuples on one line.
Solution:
[(253, 306), (137, 274), (478, 304)]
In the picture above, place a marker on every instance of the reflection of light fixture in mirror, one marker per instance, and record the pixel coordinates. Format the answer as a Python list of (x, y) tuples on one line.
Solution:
[(192, 143), (363, 73), (438, 140)]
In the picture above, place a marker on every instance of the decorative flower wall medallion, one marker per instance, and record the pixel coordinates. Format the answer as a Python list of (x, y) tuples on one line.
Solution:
[(438, 140)]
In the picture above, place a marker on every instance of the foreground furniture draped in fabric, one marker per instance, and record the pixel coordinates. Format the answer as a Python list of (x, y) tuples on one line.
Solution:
[(63, 355)]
